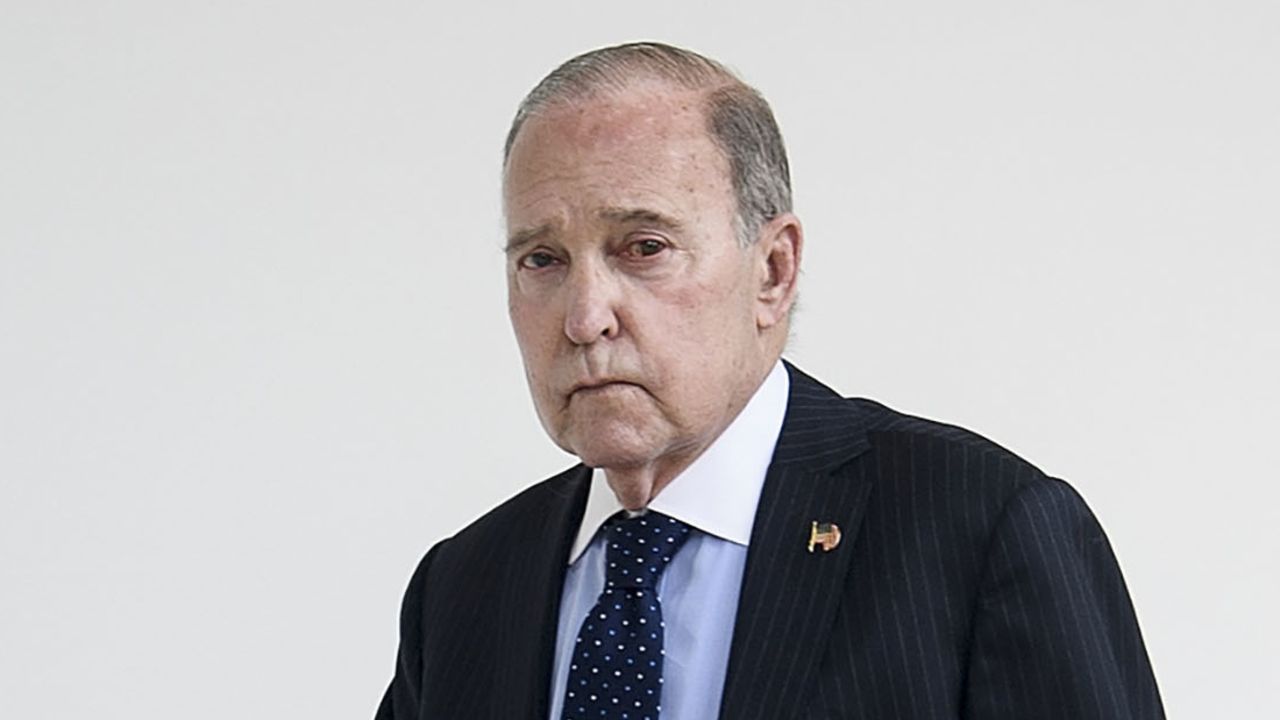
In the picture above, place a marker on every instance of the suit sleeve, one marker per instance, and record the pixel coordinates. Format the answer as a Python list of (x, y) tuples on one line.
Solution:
[(403, 697), (1055, 635)]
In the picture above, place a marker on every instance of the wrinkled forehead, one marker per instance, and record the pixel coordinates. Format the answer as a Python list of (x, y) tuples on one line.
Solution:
[(599, 112), (652, 134), (644, 116)]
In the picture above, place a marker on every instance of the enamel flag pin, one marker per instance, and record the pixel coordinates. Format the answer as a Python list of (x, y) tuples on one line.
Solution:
[(824, 535)]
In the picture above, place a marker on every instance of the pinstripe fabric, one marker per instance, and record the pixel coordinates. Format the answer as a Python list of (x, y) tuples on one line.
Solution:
[(968, 585), (478, 622)]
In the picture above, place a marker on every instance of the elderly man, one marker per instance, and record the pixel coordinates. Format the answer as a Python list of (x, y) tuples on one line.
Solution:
[(739, 541)]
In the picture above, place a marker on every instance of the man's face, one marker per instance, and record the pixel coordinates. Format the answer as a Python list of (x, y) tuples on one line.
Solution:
[(633, 305)]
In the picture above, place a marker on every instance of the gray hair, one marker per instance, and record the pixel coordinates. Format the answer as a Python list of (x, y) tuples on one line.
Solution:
[(738, 118)]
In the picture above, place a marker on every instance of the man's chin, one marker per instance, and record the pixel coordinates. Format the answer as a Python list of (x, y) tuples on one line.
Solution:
[(620, 446), (597, 455)]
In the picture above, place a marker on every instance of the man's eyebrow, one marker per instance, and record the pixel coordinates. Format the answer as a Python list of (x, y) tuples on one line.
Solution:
[(526, 235), (619, 215), (640, 215)]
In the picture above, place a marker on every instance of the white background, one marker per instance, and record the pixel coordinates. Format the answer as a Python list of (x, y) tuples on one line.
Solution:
[(254, 355)]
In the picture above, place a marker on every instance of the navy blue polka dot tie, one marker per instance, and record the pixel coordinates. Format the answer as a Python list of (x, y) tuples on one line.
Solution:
[(616, 670)]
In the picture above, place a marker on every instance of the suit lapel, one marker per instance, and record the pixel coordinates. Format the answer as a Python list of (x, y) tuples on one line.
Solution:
[(540, 570), (789, 594)]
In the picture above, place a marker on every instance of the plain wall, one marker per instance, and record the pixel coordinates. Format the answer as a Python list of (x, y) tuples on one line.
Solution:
[(254, 353)]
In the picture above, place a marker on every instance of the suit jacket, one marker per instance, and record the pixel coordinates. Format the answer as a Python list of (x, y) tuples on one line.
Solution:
[(968, 585)]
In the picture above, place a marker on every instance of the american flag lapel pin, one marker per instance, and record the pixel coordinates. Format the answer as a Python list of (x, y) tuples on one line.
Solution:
[(824, 535)]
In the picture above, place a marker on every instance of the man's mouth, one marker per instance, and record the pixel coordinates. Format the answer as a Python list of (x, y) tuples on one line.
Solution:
[(599, 386)]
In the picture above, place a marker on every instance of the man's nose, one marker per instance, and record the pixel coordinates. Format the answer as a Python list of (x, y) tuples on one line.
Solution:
[(592, 298)]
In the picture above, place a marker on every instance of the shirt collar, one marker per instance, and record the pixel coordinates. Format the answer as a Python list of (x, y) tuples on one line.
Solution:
[(719, 491)]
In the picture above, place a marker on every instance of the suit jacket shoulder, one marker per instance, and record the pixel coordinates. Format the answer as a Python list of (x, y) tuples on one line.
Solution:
[(480, 612), (521, 521), (903, 452), (968, 583)]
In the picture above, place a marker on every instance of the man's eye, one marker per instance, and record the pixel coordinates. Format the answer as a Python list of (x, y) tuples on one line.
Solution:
[(647, 247), (537, 260)]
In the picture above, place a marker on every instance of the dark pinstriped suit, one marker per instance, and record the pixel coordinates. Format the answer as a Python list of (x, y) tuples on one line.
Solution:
[(968, 585)]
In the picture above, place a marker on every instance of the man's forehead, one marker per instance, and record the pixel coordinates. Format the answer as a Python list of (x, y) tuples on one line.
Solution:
[(657, 133), (618, 156), (613, 118)]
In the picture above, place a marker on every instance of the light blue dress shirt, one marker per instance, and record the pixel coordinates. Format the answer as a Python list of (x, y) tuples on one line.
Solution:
[(717, 496)]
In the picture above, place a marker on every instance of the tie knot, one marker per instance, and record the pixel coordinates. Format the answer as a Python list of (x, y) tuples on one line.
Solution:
[(639, 549)]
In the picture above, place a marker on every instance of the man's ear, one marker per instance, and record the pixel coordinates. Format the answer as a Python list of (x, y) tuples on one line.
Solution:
[(778, 249)]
